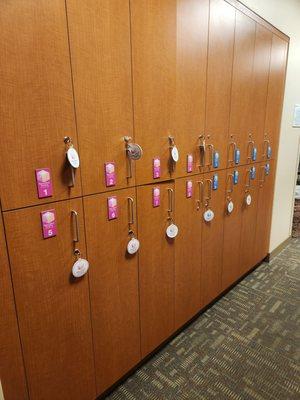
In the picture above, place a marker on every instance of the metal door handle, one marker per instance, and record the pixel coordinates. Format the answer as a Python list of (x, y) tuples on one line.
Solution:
[(75, 226), (251, 147), (200, 200), (232, 145), (211, 147), (130, 211), (230, 180)]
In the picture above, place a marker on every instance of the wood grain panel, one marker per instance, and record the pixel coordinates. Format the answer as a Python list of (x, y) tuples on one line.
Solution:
[(12, 372), (156, 269), (188, 250), (53, 309), (37, 109), (114, 289), (101, 62)]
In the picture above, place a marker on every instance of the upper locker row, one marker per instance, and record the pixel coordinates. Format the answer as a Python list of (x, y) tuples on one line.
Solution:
[(103, 72)]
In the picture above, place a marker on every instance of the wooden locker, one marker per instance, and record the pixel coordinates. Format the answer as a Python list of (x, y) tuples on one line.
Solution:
[(53, 307), (266, 176), (249, 212), (241, 91), (234, 192), (12, 372), (113, 286), (275, 97), (219, 73), (212, 237), (154, 31), (188, 249), (101, 64), (156, 266), (37, 109)]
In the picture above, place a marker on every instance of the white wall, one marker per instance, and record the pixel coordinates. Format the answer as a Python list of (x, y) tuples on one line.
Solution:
[(285, 15)]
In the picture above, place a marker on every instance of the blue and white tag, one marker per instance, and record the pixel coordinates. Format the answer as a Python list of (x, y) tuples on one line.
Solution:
[(267, 169), (237, 156), (216, 159), (235, 177), (252, 172), (254, 154), (215, 182)]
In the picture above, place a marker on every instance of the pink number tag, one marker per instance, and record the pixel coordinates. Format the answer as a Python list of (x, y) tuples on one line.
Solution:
[(156, 197), (110, 174), (189, 189), (156, 167), (112, 206), (43, 182), (189, 163), (48, 223)]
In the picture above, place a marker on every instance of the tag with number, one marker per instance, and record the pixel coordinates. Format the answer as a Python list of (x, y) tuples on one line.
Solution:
[(43, 182), (110, 173), (189, 189), (112, 206), (189, 163), (156, 197), (156, 167), (48, 223)]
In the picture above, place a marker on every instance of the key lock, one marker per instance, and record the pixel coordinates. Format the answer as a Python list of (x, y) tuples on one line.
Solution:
[(172, 229), (72, 158), (267, 148), (248, 197), (80, 266), (229, 191), (133, 152), (174, 153), (133, 244), (208, 214)]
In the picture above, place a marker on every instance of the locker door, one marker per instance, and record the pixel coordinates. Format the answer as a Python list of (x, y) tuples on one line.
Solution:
[(264, 209), (53, 308), (101, 63), (219, 72), (249, 213), (263, 43), (192, 37), (37, 109), (154, 33), (212, 237), (234, 191), (156, 265), (241, 94), (275, 97), (113, 285), (188, 250), (12, 372)]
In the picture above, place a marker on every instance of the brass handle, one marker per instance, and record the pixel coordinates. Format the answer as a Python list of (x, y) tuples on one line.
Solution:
[(170, 200), (251, 147), (230, 180), (232, 145), (266, 145), (263, 176), (248, 179), (209, 187), (211, 147), (130, 211), (75, 226), (200, 200)]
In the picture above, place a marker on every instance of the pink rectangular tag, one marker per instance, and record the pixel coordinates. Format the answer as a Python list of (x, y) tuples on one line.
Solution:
[(43, 182), (189, 161), (112, 206), (189, 189), (110, 174), (48, 219), (156, 167), (156, 197)]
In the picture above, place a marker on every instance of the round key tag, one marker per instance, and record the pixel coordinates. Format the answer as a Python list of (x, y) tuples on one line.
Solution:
[(73, 157), (248, 199), (175, 154), (208, 215), (172, 231), (230, 207), (133, 246), (135, 151), (80, 268)]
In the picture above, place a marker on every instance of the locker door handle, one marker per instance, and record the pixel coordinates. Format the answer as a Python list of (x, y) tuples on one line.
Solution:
[(248, 179), (230, 181), (130, 212), (232, 145), (200, 200), (75, 226), (263, 176), (266, 145), (209, 190), (211, 152), (250, 149), (170, 200)]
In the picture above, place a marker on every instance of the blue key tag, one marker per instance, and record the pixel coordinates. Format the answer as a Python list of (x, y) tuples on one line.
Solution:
[(254, 154), (237, 156), (216, 159), (253, 173), (235, 177), (269, 152), (267, 169), (215, 182)]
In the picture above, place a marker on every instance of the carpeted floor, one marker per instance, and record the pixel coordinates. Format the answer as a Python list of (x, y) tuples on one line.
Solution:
[(247, 346)]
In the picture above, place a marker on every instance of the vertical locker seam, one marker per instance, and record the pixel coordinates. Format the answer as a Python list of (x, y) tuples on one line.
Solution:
[(207, 59), (268, 86)]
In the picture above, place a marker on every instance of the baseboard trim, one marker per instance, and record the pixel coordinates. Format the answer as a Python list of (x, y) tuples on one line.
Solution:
[(278, 249)]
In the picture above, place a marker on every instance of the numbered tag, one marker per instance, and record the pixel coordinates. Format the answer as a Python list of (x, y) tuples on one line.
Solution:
[(215, 182), (189, 163), (156, 167), (235, 177), (43, 182), (80, 268), (267, 169), (237, 156), (48, 223), (189, 189), (133, 246), (112, 206), (73, 157), (248, 199), (254, 154), (253, 173), (216, 159), (230, 207), (175, 154), (156, 197), (269, 152), (110, 174), (208, 215), (134, 151), (172, 231)]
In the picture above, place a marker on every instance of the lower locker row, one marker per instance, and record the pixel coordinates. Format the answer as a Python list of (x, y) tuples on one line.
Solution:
[(104, 323)]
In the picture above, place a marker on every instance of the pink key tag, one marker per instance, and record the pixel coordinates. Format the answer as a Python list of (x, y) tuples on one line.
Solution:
[(156, 197), (189, 189), (48, 219), (189, 161), (156, 167), (112, 206), (110, 174), (43, 182)]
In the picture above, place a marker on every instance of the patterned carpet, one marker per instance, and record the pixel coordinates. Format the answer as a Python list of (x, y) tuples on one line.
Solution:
[(247, 346)]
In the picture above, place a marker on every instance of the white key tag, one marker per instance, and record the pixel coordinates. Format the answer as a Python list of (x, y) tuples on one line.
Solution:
[(175, 154), (80, 267), (133, 245), (208, 215), (172, 231), (72, 155), (230, 207), (248, 199)]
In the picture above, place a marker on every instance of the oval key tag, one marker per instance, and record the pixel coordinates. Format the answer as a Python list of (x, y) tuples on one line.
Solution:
[(208, 215), (248, 199), (80, 268), (135, 151), (172, 231), (230, 207), (73, 157), (133, 246), (175, 154)]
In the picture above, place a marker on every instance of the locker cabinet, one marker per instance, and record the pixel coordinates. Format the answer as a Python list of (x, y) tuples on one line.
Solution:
[(156, 266), (53, 308), (219, 72), (101, 64), (12, 371), (37, 109), (113, 286), (212, 236), (188, 249)]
